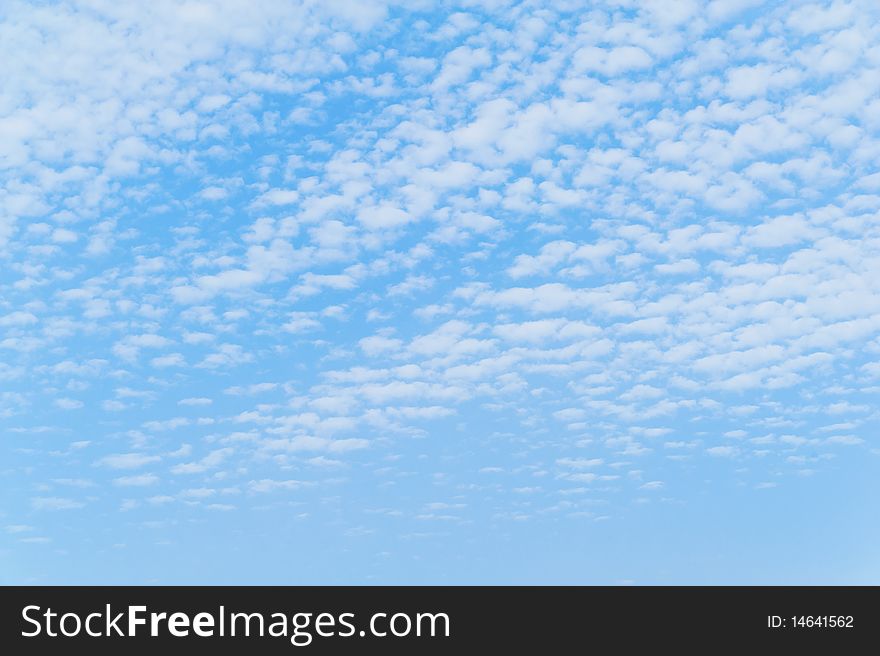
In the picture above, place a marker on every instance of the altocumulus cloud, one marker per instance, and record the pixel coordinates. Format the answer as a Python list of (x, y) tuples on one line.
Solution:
[(322, 265)]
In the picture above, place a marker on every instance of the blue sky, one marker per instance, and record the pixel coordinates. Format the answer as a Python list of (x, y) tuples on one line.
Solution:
[(453, 292)]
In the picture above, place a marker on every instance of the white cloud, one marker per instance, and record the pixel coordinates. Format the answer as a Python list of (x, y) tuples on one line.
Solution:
[(127, 460), (140, 480), (55, 503)]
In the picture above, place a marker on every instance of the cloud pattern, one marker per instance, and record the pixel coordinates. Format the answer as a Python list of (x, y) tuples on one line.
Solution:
[(409, 284)]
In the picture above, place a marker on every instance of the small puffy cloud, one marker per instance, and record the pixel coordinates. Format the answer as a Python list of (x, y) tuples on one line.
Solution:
[(69, 404), (18, 318), (723, 451), (579, 463), (139, 480), (267, 485), (210, 461), (127, 460), (55, 503), (278, 197), (170, 360), (195, 401), (383, 217)]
